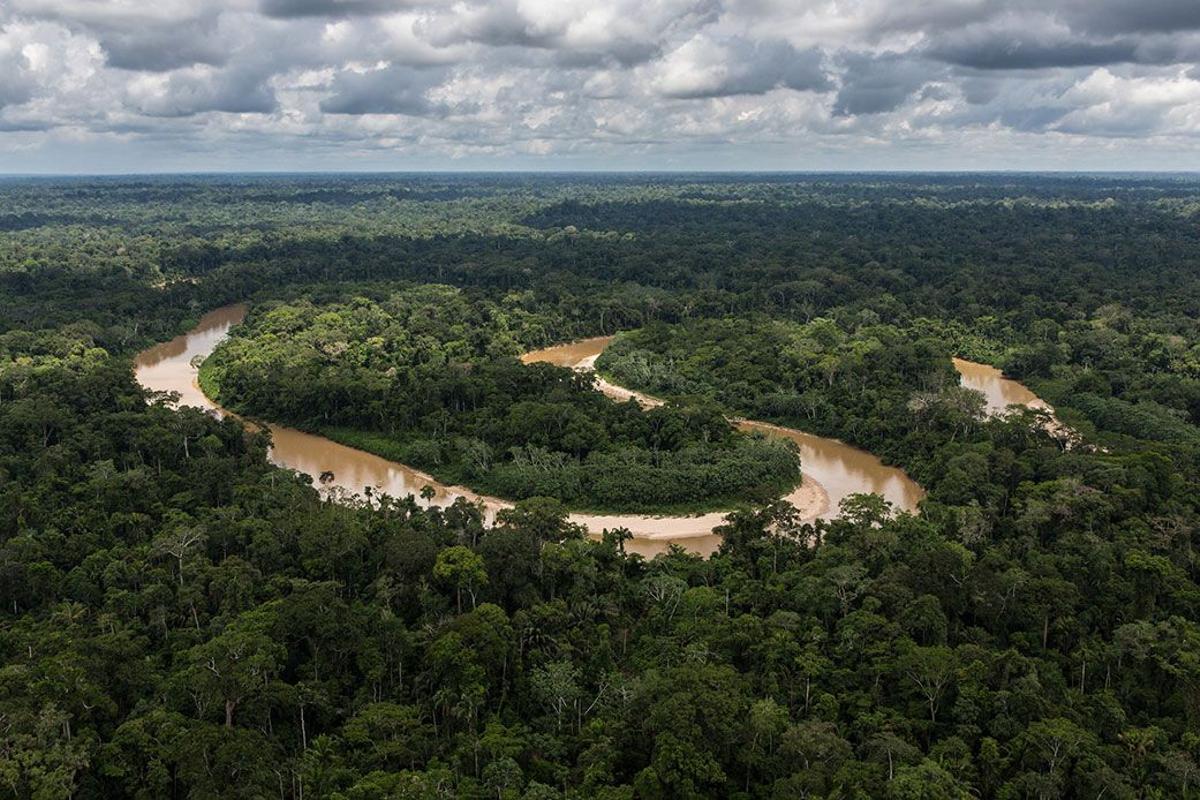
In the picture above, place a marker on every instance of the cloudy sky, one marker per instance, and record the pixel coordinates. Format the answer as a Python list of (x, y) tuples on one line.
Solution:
[(164, 85)]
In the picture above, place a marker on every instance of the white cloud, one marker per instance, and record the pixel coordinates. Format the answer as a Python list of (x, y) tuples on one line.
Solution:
[(1106, 104)]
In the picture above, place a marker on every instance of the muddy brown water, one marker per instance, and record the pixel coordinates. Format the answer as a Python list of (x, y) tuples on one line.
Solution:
[(832, 469), (999, 392)]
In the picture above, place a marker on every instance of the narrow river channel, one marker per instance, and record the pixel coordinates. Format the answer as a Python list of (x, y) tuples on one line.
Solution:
[(832, 469), (998, 391)]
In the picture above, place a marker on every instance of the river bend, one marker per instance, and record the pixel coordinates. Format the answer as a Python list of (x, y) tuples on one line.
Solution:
[(831, 469)]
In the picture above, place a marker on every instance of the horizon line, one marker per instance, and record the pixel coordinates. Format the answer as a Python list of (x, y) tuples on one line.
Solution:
[(664, 171)]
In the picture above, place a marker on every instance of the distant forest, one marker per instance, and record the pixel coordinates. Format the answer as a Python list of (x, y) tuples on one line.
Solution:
[(179, 618)]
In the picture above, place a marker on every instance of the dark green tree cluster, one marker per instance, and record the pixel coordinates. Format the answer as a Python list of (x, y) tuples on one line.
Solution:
[(877, 386)]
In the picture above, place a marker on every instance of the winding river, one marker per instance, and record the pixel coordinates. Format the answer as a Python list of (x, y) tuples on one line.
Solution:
[(171, 367), (832, 469)]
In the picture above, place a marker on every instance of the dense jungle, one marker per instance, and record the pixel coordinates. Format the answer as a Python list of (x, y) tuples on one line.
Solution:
[(181, 617)]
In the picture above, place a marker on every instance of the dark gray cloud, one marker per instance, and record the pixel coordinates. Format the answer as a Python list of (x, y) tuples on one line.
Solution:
[(164, 49), (292, 9), (1083, 17), (1008, 51), (498, 24), (1046, 34), (185, 94), (877, 84), (1110, 17), (392, 90), (932, 16), (622, 32), (16, 83), (1031, 118), (25, 126), (1048, 39), (12, 92), (763, 66), (623, 52)]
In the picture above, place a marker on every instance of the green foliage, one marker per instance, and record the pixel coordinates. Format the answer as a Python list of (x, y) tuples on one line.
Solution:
[(178, 618), (858, 384)]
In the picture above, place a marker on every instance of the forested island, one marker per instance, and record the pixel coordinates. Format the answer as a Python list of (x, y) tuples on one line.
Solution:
[(181, 617), (428, 376)]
